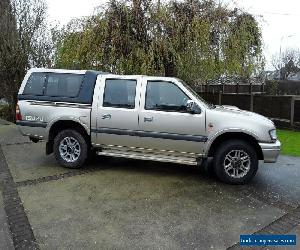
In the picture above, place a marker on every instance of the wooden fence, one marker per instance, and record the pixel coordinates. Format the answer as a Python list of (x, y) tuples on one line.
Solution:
[(280, 87), (286, 87), (231, 88), (280, 108)]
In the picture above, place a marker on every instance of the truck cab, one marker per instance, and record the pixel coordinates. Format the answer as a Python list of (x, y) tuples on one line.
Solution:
[(141, 117)]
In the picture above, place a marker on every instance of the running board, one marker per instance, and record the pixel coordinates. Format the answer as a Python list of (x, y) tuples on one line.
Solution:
[(148, 157)]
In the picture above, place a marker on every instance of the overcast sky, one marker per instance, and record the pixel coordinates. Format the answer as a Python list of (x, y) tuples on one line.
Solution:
[(279, 19)]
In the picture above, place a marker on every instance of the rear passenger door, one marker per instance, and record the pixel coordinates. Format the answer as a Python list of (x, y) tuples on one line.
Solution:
[(117, 116)]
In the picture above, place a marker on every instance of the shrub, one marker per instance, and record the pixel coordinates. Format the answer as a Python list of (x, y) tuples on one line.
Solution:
[(5, 112)]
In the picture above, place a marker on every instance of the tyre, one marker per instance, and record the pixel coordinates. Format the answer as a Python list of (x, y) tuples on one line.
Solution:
[(235, 162), (70, 149)]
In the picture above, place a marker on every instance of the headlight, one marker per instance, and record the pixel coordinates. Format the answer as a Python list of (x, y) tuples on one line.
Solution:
[(273, 134)]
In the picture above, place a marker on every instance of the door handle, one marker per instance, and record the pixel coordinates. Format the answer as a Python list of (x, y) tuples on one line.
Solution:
[(148, 119), (106, 116)]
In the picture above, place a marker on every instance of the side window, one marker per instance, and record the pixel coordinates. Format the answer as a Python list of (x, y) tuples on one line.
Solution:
[(119, 93), (64, 85), (35, 84), (165, 96)]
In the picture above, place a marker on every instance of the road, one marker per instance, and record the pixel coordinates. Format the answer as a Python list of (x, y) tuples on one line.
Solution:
[(120, 203)]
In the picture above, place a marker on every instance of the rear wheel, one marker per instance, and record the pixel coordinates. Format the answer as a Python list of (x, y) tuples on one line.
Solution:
[(235, 162), (70, 149)]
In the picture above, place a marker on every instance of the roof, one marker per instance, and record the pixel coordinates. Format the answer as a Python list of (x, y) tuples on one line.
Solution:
[(58, 71)]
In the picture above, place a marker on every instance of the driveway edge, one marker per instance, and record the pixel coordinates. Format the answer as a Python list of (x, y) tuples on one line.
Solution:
[(19, 226), (282, 225)]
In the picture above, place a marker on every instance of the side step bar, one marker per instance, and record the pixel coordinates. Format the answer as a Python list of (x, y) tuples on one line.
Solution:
[(149, 157)]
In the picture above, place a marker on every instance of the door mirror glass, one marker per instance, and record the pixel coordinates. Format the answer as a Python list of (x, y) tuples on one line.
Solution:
[(192, 107)]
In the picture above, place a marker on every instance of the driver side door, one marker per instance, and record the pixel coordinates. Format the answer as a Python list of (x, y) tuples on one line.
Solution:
[(165, 121)]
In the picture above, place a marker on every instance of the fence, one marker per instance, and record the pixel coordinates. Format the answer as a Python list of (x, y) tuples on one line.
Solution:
[(281, 108), (286, 87), (231, 88)]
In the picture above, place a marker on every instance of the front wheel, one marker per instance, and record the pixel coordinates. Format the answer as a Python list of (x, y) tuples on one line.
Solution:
[(70, 149), (235, 162)]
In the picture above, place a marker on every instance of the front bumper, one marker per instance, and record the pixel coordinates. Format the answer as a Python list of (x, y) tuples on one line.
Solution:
[(270, 151)]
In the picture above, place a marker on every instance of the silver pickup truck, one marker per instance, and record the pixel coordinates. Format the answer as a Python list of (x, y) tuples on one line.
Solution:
[(141, 117)]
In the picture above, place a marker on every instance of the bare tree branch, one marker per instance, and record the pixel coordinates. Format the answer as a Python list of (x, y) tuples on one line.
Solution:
[(288, 63)]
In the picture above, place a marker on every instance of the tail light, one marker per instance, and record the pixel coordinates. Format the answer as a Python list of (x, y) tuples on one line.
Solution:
[(18, 113)]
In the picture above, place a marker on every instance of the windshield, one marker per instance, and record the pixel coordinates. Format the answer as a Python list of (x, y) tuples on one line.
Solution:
[(200, 99)]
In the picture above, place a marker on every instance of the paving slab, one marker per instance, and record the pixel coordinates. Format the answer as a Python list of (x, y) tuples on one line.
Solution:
[(141, 205), (28, 161), (4, 122), (10, 134)]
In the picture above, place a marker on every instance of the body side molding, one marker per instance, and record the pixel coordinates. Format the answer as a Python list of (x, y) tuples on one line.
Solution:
[(159, 135)]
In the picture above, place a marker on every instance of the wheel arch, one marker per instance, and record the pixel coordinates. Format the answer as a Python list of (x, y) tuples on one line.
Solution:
[(61, 125), (231, 135)]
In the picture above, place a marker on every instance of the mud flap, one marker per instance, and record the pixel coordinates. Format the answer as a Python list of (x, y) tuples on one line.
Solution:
[(49, 147)]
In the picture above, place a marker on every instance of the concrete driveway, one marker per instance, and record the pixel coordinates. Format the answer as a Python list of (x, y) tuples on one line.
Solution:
[(128, 204)]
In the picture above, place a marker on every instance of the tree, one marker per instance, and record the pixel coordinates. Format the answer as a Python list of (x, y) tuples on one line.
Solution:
[(287, 63), (195, 40), (9, 50), (23, 43), (243, 47)]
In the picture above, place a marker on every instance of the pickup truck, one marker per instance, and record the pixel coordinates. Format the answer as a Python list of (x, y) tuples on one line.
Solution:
[(141, 117)]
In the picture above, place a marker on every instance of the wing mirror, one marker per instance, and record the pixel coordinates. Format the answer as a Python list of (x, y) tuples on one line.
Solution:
[(192, 107)]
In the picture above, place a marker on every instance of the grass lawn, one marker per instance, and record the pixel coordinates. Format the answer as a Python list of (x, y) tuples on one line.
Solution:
[(290, 141)]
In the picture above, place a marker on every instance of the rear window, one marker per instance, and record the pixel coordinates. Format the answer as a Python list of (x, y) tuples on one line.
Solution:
[(53, 85), (35, 84), (65, 85)]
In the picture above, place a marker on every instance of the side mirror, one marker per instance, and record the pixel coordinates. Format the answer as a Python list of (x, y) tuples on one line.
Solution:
[(192, 107)]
